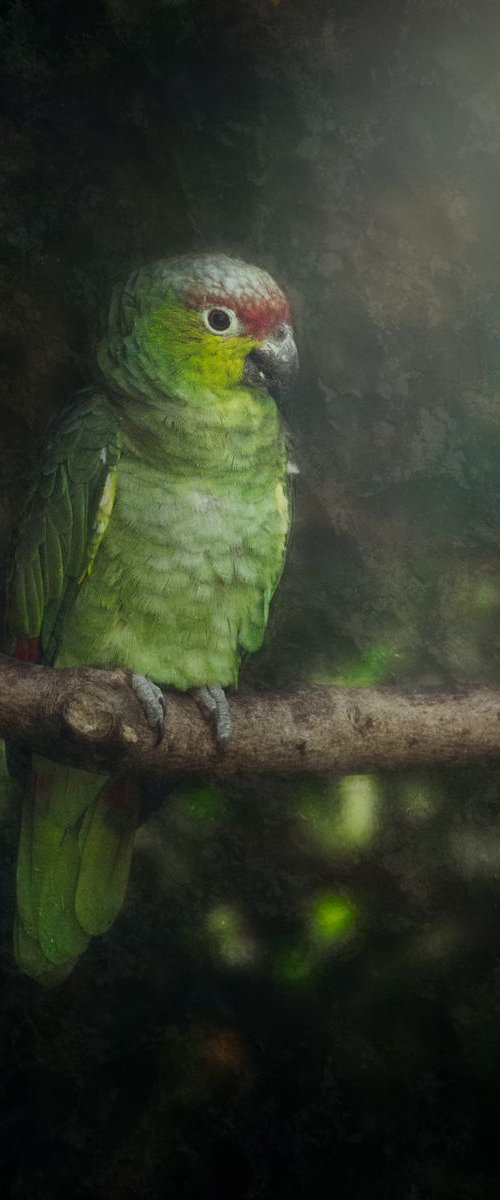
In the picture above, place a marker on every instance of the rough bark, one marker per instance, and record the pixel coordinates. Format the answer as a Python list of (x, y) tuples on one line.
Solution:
[(92, 718)]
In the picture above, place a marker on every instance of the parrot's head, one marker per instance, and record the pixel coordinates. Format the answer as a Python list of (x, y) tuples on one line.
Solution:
[(193, 326)]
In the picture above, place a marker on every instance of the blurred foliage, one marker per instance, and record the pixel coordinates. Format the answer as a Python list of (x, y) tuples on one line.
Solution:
[(306, 978)]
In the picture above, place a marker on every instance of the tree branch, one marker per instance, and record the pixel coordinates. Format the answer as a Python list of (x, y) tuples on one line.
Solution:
[(91, 718)]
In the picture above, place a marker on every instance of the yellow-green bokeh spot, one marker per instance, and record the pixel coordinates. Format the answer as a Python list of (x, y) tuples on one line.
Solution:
[(341, 817), (230, 940), (334, 917), (368, 668), (359, 805)]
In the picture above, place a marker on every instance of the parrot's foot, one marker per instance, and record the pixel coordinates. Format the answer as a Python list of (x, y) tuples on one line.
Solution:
[(152, 701), (214, 703)]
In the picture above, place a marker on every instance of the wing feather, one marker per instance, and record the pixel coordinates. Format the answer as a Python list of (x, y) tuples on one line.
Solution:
[(67, 512)]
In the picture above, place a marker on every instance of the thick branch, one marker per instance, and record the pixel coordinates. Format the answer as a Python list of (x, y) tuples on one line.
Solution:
[(91, 718)]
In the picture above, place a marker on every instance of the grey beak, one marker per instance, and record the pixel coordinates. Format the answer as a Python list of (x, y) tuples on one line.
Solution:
[(274, 363)]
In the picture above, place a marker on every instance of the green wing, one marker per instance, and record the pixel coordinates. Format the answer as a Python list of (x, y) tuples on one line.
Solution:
[(68, 508), (60, 877)]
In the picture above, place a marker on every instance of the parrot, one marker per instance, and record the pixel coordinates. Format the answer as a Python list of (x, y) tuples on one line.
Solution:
[(153, 538)]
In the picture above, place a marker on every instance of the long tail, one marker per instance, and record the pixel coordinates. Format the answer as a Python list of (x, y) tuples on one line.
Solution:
[(75, 850)]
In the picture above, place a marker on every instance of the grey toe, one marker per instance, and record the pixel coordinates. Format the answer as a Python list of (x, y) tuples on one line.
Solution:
[(214, 702), (152, 701)]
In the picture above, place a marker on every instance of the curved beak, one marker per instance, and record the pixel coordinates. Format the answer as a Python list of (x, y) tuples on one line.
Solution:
[(274, 363)]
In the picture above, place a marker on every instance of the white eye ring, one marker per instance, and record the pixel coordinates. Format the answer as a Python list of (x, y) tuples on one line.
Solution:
[(233, 324)]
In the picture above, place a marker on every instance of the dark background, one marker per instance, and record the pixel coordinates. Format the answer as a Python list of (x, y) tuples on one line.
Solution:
[(302, 996)]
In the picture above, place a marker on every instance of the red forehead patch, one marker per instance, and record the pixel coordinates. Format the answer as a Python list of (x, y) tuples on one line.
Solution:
[(258, 314)]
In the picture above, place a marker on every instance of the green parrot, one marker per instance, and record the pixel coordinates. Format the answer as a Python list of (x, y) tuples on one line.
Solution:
[(154, 537)]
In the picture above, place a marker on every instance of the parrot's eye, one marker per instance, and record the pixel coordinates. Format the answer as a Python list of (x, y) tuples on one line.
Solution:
[(220, 320)]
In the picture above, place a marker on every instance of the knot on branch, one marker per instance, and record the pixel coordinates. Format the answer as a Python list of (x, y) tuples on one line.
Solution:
[(100, 711), (85, 717)]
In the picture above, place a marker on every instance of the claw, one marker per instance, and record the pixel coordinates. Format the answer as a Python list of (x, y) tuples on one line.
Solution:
[(214, 703), (152, 701)]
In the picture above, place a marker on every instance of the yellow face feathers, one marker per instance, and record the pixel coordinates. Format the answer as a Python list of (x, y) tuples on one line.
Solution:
[(196, 357)]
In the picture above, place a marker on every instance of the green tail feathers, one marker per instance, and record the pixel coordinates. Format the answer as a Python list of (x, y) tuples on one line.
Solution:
[(75, 850)]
